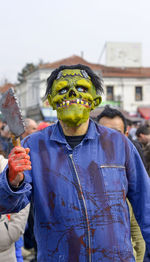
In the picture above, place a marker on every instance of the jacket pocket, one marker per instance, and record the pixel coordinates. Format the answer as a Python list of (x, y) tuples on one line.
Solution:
[(115, 183), (116, 213)]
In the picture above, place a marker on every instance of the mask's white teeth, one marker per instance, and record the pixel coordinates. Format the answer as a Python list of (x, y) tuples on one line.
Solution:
[(77, 101)]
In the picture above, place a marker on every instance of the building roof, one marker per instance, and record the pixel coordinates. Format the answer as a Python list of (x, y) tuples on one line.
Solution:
[(138, 72), (72, 60), (5, 87), (106, 71)]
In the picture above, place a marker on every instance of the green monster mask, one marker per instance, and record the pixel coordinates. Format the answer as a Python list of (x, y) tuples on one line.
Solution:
[(73, 96)]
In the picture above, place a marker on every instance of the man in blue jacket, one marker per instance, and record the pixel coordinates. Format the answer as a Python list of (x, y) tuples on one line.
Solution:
[(80, 176)]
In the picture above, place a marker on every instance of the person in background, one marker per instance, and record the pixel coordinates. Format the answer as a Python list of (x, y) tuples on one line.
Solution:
[(135, 142), (3, 140), (42, 125), (30, 127), (114, 119), (132, 131), (11, 228), (143, 136), (2, 123), (7, 139), (146, 152), (80, 177)]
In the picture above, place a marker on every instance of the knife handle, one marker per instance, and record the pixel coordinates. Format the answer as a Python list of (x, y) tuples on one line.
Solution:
[(15, 141)]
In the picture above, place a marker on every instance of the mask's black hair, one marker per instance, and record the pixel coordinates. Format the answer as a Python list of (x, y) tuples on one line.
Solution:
[(97, 81), (111, 113)]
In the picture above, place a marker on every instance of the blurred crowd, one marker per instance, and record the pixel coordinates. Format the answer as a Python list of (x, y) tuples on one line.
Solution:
[(140, 133)]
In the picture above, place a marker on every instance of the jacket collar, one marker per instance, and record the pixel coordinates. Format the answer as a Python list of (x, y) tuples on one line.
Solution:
[(58, 135)]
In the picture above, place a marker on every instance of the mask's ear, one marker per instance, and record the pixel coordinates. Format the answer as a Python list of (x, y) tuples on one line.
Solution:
[(97, 101)]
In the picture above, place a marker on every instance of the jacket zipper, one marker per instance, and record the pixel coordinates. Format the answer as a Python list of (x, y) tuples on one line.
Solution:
[(84, 203)]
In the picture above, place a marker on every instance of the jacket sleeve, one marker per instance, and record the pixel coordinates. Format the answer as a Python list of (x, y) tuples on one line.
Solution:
[(139, 191), (11, 200), (11, 230)]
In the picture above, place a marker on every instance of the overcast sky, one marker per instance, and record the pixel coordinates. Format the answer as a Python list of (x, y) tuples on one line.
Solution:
[(50, 30)]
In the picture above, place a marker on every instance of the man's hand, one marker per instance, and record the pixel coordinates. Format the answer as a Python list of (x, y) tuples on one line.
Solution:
[(18, 161)]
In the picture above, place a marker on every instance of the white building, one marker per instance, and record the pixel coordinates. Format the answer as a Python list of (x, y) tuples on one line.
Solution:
[(127, 88)]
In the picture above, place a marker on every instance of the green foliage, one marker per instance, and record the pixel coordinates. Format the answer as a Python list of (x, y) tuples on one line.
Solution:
[(27, 69)]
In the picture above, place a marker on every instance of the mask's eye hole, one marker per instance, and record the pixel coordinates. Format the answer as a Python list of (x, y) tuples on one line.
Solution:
[(63, 91), (81, 89)]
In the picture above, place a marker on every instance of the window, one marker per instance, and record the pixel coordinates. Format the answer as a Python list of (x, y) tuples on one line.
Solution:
[(109, 93), (138, 93)]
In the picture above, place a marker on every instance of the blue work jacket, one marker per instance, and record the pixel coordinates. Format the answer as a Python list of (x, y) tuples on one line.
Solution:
[(79, 195)]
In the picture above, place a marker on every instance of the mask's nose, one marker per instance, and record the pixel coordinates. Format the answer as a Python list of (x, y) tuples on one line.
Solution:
[(72, 93)]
